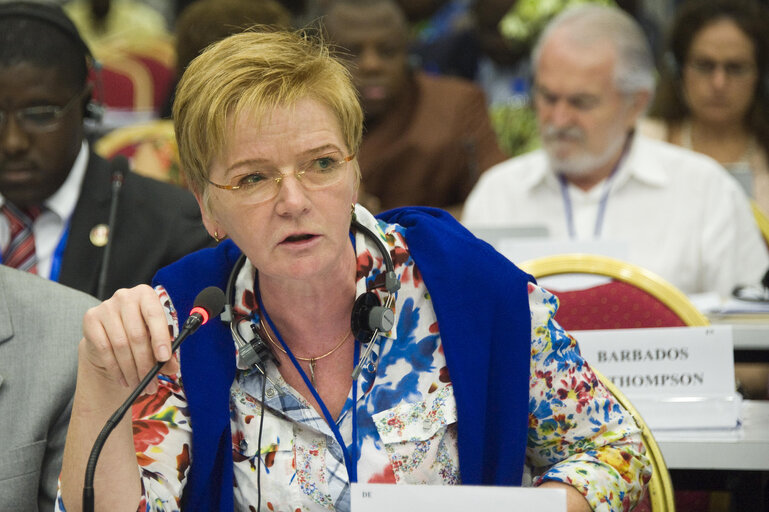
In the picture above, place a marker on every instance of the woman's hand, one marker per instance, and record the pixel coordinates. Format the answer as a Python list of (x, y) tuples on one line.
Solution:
[(124, 337), (575, 502)]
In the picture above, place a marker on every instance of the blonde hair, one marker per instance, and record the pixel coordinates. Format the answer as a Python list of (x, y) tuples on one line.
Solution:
[(255, 72)]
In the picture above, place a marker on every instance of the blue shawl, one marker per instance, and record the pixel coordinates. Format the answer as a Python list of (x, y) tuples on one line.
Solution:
[(481, 303)]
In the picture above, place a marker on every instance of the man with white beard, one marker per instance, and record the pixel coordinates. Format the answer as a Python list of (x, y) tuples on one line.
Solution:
[(681, 215)]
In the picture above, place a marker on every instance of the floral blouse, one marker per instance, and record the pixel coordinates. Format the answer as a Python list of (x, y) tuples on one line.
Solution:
[(405, 414)]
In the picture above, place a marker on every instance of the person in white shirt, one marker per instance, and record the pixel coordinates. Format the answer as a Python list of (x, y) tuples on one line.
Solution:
[(681, 215)]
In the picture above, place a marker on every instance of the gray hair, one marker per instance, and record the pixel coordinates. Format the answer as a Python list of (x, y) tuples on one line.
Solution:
[(590, 24)]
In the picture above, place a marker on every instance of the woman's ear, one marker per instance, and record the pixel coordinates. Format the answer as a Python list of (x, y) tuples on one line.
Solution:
[(208, 220)]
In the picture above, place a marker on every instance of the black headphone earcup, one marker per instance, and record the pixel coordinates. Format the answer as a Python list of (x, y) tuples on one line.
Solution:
[(360, 315), (369, 315), (94, 111)]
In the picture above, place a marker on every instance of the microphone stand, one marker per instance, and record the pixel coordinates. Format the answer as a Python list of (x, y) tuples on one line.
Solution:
[(120, 167)]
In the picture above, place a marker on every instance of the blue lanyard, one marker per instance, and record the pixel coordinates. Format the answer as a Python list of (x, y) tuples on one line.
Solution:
[(350, 461), (570, 215), (57, 256), (602, 203)]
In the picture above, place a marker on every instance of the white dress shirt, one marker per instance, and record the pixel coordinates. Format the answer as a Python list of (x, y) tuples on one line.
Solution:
[(681, 214), (49, 226)]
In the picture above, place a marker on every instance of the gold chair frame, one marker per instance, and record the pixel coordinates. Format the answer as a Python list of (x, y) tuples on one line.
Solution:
[(660, 486), (761, 219), (646, 280), (160, 129), (156, 152)]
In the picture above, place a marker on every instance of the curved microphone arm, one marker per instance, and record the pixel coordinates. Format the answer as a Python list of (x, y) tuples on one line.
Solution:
[(208, 303)]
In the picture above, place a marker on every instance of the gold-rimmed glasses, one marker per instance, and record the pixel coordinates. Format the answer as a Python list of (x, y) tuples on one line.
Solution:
[(262, 184), (41, 118)]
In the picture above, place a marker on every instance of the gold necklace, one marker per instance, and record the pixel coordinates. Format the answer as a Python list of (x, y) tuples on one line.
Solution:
[(311, 360)]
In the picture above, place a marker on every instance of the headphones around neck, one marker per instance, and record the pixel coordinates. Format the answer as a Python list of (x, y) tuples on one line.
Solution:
[(368, 317), (54, 15)]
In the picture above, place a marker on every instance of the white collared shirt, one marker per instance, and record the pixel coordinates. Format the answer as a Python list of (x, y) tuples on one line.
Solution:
[(680, 213), (49, 226)]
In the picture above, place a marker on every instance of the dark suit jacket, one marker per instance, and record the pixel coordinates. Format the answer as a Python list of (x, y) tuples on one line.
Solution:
[(156, 224)]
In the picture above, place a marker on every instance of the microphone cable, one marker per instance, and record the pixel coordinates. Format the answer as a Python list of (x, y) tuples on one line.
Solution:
[(259, 451)]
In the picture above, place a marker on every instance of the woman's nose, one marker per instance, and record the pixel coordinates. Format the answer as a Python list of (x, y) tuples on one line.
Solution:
[(292, 196)]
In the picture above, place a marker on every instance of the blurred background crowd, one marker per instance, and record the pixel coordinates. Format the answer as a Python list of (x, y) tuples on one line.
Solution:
[(479, 50)]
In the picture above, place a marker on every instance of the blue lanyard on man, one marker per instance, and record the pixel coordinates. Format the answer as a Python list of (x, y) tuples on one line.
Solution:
[(568, 210), (601, 206), (57, 256)]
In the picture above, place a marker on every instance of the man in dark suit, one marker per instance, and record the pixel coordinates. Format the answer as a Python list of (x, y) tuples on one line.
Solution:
[(52, 181), (40, 326)]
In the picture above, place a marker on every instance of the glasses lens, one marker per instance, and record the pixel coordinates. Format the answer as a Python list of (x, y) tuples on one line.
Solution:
[(45, 118), (738, 69), (40, 118), (733, 69), (257, 186), (323, 171)]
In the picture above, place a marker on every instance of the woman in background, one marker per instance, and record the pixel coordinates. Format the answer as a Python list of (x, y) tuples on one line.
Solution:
[(713, 95)]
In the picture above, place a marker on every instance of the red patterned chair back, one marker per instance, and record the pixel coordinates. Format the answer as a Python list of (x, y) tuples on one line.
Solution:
[(614, 305), (163, 77), (125, 84), (150, 63)]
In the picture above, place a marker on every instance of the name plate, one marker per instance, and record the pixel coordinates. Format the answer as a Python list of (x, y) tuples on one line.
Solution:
[(454, 498), (677, 377)]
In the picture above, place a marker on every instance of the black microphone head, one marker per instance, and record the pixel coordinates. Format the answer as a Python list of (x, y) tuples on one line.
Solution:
[(211, 299), (765, 280), (120, 166)]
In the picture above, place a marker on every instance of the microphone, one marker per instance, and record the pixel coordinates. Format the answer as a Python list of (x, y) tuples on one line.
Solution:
[(208, 303), (754, 293), (119, 169)]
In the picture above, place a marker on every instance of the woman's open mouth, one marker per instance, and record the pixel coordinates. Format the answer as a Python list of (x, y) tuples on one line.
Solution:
[(298, 238)]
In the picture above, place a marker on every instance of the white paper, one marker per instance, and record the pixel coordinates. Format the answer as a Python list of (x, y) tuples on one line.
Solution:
[(677, 377), (664, 362), (454, 498)]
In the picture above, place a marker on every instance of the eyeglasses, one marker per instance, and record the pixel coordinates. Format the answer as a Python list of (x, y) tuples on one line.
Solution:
[(259, 185), (732, 69), (41, 118)]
